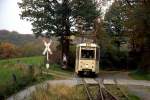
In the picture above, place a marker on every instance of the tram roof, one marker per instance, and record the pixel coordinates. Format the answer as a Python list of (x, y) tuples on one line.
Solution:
[(87, 44)]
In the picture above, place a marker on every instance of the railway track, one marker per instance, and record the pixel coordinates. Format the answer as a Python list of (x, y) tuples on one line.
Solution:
[(87, 89), (102, 93)]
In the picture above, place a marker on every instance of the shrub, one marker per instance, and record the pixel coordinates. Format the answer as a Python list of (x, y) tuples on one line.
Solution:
[(112, 58), (7, 50)]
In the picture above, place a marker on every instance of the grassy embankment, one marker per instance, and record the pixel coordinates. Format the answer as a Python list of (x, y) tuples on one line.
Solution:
[(139, 75), (16, 74), (63, 92), (59, 92)]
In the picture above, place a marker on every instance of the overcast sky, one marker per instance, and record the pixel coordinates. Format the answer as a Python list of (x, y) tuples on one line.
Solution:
[(10, 19)]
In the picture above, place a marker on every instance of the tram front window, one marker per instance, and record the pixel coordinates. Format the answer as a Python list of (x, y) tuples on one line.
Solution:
[(87, 54)]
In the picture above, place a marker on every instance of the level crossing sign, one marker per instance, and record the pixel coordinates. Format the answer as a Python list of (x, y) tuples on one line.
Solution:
[(47, 51), (47, 47)]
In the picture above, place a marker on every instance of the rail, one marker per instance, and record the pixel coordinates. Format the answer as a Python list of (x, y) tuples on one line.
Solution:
[(102, 94), (87, 89)]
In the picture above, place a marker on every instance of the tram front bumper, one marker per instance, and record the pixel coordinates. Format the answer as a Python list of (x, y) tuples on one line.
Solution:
[(87, 69)]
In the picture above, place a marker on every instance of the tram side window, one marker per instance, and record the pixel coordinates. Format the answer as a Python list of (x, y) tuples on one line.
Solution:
[(87, 54)]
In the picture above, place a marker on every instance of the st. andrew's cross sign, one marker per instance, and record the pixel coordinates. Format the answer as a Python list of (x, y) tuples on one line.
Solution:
[(47, 51)]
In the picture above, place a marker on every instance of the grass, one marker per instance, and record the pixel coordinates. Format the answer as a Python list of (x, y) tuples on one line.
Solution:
[(6, 80), (15, 66), (59, 92), (63, 92), (37, 60), (6, 74), (115, 91), (133, 97), (25, 75), (28, 71), (138, 75), (58, 70)]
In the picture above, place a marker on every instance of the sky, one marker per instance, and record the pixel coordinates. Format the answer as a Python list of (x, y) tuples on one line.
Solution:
[(10, 19)]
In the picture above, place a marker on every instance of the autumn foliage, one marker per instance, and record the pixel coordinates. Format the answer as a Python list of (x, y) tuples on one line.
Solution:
[(7, 50)]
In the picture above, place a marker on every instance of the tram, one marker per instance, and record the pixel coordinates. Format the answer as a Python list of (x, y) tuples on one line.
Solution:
[(87, 59)]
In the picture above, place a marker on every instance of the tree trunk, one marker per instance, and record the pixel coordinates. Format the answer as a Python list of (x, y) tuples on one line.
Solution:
[(66, 33)]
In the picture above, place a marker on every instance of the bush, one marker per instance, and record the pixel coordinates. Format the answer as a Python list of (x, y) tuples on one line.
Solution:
[(55, 58), (8, 50), (19, 77), (112, 58)]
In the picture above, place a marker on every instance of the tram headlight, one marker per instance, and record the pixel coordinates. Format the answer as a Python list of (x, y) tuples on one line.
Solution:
[(86, 66)]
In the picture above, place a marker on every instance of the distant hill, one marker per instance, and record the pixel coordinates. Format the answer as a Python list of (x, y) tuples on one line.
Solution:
[(27, 45), (16, 38)]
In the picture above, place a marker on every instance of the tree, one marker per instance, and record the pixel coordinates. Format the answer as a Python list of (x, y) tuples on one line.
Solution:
[(139, 24), (115, 18), (55, 17), (115, 55), (30, 49), (87, 9), (136, 25), (7, 50)]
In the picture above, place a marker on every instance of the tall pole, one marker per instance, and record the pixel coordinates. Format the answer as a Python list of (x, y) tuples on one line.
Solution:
[(47, 57)]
